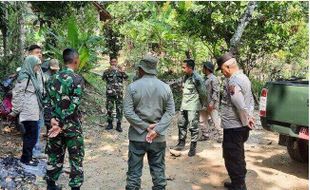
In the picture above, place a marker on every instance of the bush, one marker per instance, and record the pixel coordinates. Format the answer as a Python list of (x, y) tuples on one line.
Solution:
[(257, 86)]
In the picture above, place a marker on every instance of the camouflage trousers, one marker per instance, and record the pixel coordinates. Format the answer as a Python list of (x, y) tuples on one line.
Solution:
[(190, 120), (56, 149), (156, 158), (118, 101)]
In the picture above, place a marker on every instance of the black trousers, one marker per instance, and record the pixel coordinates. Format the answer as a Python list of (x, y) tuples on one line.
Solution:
[(233, 153), (29, 140)]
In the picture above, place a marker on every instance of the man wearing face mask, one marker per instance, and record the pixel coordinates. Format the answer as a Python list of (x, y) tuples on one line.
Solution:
[(114, 77), (237, 119)]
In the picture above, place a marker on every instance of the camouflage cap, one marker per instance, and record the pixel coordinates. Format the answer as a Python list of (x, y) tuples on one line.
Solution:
[(222, 59), (149, 64), (54, 64)]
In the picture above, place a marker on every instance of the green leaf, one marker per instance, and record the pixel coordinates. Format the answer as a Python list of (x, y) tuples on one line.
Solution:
[(73, 35), (84, 57)]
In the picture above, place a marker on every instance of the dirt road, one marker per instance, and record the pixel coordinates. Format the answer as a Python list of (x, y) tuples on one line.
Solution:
[(269, 166)]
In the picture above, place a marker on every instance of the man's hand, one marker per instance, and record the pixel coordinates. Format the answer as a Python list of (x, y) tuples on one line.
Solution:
[(113, 67), (210, 107), (55, 130), (54, 122), (121, 69), (11, 116), (251, 122), (151, 136), (151, 127)]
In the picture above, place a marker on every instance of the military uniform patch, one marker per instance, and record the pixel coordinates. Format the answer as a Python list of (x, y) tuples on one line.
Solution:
[(231, 89)]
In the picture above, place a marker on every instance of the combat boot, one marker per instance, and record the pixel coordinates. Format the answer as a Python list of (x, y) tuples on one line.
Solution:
[(192, 150), (228, 184), (238, 187), (119, 127), (231, 186), (180, 146), (110, 125), (51, 185)]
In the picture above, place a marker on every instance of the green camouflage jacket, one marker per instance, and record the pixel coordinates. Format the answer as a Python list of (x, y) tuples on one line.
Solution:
[(114, 79), (65, 92)]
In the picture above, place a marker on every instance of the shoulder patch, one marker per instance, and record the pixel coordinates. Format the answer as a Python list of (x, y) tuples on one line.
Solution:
[(231, 89)]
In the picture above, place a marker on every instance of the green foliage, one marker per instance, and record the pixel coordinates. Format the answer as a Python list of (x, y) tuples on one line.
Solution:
[(257, 86), (85, 43), (205, 29), (153, 27), (55, 10), (274, 44), (274, 29), (95, 81)]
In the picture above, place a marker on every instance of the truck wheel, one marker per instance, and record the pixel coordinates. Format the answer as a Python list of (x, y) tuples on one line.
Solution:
[(298, 149)]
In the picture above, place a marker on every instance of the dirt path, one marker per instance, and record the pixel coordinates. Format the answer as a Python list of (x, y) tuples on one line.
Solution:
[(269, 166)]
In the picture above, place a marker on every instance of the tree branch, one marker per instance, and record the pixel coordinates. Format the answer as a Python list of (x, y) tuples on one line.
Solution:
[(247, 16)]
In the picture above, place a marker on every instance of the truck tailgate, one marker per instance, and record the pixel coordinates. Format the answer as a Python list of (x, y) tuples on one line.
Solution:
[(288, 103)]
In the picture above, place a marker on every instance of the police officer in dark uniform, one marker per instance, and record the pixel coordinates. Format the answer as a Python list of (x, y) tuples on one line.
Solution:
[(237, 119)]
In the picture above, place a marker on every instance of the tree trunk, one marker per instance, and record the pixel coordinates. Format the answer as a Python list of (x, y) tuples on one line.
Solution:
[(4, 29), (245, 19), (5, 32), (21, 30)]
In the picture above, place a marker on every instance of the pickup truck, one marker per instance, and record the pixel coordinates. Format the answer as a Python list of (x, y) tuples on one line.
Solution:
[(284, 108)]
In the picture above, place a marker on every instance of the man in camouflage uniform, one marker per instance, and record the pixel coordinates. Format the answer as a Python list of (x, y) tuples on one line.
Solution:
[(65, 92), (114, 76), (194, 94), (53, 68), (237, 119), (212, 105)]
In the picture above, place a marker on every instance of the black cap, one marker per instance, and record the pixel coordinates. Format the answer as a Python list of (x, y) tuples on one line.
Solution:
[(222, 59), (190, 63), (208, 65)]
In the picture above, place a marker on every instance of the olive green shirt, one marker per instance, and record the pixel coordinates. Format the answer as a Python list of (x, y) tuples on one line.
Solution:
[(194, 93), (148, 100)]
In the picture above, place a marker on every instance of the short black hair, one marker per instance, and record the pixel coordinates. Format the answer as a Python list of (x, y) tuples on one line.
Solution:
[(34, 46), (113, 57), (190, 63), (69, 55)]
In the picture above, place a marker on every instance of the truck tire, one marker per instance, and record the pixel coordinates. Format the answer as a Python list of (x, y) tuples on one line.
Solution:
[(298, 149)]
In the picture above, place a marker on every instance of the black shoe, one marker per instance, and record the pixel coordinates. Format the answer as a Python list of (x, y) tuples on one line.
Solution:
[(31, 163), (180, 146), (110, 126), (192, 150), (75, 188), (237, 187), (51, 185), (227, 184), (119, 127)]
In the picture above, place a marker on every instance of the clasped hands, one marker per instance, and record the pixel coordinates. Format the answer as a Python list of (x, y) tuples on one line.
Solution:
[(152, 134)]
